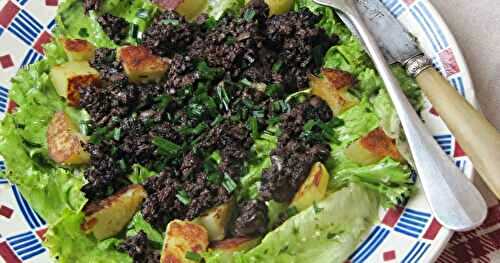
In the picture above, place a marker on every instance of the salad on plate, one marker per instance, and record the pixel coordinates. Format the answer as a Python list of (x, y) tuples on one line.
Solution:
[(205, 131)]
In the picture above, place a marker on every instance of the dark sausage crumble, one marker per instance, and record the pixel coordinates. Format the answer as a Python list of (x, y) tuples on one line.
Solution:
[(227, 83)]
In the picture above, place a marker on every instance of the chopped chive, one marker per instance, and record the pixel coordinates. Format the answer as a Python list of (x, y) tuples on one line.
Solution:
[(230, 40), (277, 66), (222, 94), (316, 208), (117, 133), (83, 32), (291, 211), (258, 114), (214, 178), (246, 82), (229, 183), (254, 128), (122, 164), (249, 15), (165, 146), (273, 89), (183, 197), (142, 13), (193, 256), (84, 128), (173, 22), (331, 235)]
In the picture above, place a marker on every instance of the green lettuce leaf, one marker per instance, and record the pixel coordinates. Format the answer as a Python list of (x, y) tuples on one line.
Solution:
[(389, 178), (320, 232), (261, 160), (140, 174), (138, 223), (72, 23), (69, 244), (217, 8)]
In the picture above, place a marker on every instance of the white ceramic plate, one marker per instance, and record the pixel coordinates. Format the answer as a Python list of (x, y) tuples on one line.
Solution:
[(408, 234)]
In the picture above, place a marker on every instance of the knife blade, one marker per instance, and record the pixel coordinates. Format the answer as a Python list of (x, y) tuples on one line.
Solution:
[(397, 44), (478, 137)]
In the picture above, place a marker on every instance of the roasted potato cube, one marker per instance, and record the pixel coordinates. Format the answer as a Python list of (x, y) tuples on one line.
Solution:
[(313, 189), (183, 237), (373, 147), (108, 217), (65, 141), (279, 7), (190, 9), (215, 220), (141, 65), (68, 78), (78, 49), (333, 88), (235, 244)]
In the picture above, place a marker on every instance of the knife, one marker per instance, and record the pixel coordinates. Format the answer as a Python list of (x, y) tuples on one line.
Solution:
[(453, 199), (479, 139)]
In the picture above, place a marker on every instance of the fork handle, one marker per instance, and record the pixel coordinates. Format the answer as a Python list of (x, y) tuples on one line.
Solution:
[(479, 139)]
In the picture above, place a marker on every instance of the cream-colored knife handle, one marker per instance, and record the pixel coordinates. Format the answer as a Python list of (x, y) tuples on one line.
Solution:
[(479, 139)]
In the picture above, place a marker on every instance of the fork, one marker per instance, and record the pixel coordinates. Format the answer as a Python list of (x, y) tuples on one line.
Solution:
[(453, 199)]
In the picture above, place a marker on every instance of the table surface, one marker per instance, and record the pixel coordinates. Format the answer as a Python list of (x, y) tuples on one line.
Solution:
[(476, 26)]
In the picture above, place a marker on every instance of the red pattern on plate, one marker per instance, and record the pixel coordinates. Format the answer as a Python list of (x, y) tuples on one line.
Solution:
[(409, 2), (459, 152), (432, 230), (449, 62), (8, 12), (389, 255), (41, 233), (392, 216), (51, 2), (7, 254), (6, 61), (6, 211), (44, 38)]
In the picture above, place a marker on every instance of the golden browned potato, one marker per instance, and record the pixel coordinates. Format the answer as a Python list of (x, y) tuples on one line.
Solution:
[(278, 7), (65, 143), (108, 217), (141, 65), (373, 147), (78, 49), (235, 244), (69, 77), (333, 87), (183, 237), (313, 189), (190, 9), (215, 220)]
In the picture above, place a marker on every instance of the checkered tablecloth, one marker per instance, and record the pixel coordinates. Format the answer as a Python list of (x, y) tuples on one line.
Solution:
[(481, 244)]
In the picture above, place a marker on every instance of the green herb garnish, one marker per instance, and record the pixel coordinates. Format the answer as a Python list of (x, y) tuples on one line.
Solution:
[(193, 256), (117, 133), (316, 208), (183, 197), (229, 183), (173, 22), (249, 15), (83, 32), (166, 147)]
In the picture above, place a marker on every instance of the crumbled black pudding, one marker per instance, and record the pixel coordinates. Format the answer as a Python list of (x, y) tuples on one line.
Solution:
[(227, 83), (252, 219), (294, 156), (139, 248), (115, 27), (169, 34)]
